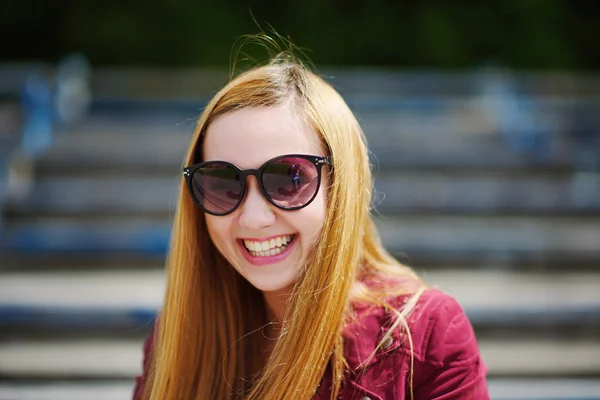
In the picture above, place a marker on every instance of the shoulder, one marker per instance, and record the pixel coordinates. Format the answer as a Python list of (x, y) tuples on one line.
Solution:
[(439, 346), (440, 329), (447, 358), (433, 318)]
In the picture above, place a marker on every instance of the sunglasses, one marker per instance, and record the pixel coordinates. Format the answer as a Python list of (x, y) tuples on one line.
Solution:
[(289, 182)]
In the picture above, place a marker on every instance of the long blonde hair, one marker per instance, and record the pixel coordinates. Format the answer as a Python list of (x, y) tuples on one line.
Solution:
[(206, 346)]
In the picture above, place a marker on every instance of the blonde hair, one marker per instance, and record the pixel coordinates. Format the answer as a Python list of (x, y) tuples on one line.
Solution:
[(206, 345)]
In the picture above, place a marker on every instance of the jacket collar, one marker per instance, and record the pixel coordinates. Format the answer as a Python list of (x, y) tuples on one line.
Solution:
[(366, 331)]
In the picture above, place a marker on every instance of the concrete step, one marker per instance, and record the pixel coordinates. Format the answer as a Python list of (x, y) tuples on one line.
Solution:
[(61, 390), (77, 262), (95, 237), (138, 195), (399, 192), (127, 300), (159, 83), (500, 389), (395, 140), (492, 238), (539, 389), (120, 359), (481, 192), (147, 153), (109, 147), (421, 238), (84, 290)]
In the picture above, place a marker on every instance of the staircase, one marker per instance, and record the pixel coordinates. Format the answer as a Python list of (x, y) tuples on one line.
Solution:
[(510, 232)]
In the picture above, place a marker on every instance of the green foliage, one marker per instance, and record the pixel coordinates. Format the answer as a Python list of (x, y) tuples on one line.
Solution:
[(525, 34)]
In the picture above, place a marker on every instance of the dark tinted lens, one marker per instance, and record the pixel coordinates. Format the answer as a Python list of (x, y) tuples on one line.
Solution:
[(291, 182), (217, 187)]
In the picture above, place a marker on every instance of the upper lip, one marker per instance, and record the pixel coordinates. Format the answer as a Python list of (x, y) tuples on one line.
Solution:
[(263, 239)]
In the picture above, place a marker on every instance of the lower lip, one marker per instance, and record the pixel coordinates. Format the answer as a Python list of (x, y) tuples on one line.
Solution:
[(267, 260)]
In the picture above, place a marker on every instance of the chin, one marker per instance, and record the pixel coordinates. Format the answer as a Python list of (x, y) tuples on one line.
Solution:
[(272, 284)]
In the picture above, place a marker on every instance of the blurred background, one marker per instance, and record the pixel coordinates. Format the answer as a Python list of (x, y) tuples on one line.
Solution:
[(483, 119)]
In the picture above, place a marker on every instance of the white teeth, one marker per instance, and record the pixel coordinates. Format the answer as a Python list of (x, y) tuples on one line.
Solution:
[(268, 247)]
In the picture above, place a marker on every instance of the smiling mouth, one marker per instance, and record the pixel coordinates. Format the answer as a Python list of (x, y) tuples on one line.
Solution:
[(268, 248)]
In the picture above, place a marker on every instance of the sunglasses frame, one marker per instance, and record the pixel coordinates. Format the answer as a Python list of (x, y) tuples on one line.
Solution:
[(318, 161)]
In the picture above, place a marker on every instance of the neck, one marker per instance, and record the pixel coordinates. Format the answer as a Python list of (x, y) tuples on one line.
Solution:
[(276, 302)]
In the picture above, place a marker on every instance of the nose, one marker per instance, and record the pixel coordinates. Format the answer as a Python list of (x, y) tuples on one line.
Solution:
[(256, 211)]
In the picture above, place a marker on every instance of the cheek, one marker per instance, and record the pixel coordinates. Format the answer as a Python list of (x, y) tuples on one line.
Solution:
[(314, 218), (323, 198), (217, 230)]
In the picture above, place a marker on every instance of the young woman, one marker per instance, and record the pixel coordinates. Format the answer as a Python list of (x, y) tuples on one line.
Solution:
[(278, 285)]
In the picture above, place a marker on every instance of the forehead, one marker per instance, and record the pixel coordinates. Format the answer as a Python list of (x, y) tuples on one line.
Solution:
[(251, 136)]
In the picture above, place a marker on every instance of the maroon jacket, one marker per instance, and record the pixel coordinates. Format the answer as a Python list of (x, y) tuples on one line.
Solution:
[(446, 362)]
